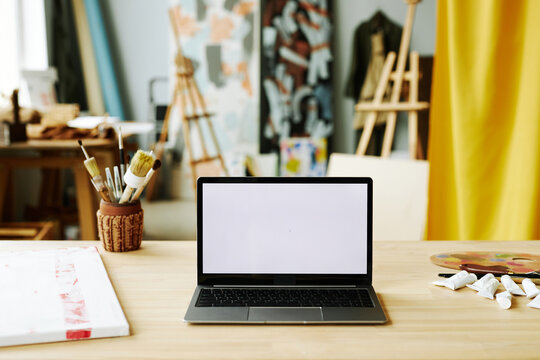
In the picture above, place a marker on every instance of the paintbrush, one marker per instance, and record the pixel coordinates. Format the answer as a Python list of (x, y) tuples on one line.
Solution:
[(136, 174), (110, 185), (117, 177), (117, 183), (92, 167), (122, 157), (157, 165), (530, 275)]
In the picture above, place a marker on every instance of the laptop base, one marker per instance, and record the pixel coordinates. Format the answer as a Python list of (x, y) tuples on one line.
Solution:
[(285, 315)]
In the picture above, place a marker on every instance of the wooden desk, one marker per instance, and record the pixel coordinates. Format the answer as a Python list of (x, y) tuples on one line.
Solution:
[(60, 154), (155, 284)]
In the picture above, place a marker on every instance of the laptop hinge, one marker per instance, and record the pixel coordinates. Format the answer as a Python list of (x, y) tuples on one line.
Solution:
[(283, 286)]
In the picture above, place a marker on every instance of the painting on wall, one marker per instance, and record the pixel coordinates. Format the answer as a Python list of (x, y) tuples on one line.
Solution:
[(221, 38), (296, 60), (303, 157)]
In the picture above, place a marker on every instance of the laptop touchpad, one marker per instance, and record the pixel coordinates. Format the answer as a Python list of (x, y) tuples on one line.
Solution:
[(284, 314)]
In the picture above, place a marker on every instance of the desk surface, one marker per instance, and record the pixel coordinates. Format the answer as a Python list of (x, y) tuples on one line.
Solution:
[(155, 284)]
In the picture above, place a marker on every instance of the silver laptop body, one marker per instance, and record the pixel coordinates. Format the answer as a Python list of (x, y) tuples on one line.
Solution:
[(284, 250)]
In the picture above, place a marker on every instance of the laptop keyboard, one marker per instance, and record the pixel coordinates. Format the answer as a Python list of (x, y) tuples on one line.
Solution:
[(284, 297)]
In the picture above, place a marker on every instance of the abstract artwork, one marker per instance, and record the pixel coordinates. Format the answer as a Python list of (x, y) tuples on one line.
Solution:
[(303, 157), (221, 38), (296, 61)]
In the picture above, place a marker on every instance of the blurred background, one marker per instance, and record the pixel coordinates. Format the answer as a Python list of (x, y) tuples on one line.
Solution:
[(274, 88)]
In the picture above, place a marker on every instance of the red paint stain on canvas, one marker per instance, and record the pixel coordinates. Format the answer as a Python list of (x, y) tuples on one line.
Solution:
[(78, 334), (74, 306)]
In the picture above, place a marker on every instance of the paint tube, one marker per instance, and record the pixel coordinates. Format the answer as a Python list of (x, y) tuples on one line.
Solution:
[(480, 284), (511, 286), (535, 303), (530, 288), (504, 299), (456, 281), (489, 290)]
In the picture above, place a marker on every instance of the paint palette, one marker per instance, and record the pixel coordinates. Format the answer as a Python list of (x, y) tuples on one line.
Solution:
[(513, 262)]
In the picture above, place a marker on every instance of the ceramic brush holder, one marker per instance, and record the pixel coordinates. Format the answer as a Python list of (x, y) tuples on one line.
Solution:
[(120, 226)]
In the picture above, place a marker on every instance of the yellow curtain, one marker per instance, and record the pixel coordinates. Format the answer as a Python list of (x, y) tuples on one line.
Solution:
[(484, 147)]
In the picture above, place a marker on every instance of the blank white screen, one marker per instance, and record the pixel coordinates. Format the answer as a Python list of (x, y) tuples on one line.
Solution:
[(284, 228)]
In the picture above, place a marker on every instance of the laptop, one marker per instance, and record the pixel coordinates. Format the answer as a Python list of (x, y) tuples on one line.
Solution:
[(284, 250)]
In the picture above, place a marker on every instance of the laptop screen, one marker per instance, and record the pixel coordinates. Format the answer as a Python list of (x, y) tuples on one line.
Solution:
[(284, 228)]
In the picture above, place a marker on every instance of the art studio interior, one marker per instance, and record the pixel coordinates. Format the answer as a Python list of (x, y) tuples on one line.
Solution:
[(445, 127), (293, 161)]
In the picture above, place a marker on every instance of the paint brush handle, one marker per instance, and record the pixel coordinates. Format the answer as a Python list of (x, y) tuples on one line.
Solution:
[(140, 189), (132, 183), (481, 269), (118, 182), (110, 185), (103, 191), (122, 156), (110, 190), (126, 195), (524, 275), (122, 173)]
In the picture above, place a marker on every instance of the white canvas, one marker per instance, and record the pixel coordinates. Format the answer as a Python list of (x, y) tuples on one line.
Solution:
[(400, 189), (57, 295)]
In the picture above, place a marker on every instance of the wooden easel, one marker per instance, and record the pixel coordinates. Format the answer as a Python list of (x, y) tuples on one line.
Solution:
[(191, 107), (394, 105)]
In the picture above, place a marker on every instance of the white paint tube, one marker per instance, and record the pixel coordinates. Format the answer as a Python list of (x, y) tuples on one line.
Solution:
[(456, 281), (504, 299), (511, 286), (480, 284), (530, 288), (535, 303), (489, 290)]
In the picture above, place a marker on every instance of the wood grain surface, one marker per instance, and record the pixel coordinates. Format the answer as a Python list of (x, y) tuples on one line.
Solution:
[(155, 284)]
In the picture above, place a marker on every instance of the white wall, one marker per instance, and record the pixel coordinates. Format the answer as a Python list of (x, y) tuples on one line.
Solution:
[(138, 33), (348, 14)]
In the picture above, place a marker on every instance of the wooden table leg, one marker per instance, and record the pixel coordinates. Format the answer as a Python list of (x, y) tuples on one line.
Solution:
[(4, 184), (85, 204)]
